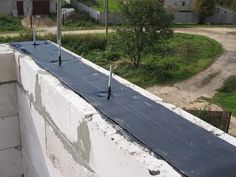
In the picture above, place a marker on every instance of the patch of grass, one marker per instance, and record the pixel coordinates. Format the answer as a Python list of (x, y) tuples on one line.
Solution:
[(65, 4), (233, 33), (84, 44), (227, 101), (226, 97), (80, 20), (8, 23), (177, 59), (229, 85), (113, 5)]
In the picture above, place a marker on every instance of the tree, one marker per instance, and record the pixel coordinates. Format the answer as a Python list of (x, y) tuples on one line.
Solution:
[(146, 23), (204, 8)]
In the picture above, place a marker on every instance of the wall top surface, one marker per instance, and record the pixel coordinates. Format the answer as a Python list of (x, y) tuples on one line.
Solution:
[(191, 150)]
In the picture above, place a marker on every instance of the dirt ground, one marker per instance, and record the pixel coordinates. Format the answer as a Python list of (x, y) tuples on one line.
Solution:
[(188, 94)]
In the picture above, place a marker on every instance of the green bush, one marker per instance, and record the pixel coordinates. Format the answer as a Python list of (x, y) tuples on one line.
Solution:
[(79, 20), (111, 56), (8, 23), (229, 85), (83, 44)]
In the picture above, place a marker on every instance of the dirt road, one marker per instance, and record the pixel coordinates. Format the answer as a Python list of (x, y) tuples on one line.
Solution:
[(46, 31), (188, 93)]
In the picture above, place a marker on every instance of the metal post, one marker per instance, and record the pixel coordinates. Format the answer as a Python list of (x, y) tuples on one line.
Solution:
[(106, 16), (109, 84), (59, 30), (34, 37)]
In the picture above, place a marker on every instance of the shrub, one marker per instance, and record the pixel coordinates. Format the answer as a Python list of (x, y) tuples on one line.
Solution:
[(8, 23), (82, 44), (229, 84)]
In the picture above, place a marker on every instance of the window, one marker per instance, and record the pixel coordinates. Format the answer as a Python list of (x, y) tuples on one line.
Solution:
[(183, 3)]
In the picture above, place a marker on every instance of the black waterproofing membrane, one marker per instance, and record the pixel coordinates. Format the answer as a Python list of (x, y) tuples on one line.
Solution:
[(191, 150)]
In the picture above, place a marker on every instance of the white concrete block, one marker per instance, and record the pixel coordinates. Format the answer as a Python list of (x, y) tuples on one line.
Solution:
[(32, 126), (124, 158), (9, 132), (8, 103), (228, 138), (5, 48), (60, 154), (17, 61), (7, 67), (65, 107), (28, 169), (10, 163), (28, 74)]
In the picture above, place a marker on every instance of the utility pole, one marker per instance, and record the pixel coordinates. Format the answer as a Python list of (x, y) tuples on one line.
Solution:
[(106, 16), (59, 30)]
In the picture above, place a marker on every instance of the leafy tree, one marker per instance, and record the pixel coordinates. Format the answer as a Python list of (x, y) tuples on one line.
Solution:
[(204, 8), (146, 23)]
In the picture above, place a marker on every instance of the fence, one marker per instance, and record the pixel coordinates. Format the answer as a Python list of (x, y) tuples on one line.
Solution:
[(219, 119)]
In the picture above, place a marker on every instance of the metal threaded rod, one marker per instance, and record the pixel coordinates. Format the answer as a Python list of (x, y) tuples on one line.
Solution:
[(59, 31), (34, 37), (109, 84)]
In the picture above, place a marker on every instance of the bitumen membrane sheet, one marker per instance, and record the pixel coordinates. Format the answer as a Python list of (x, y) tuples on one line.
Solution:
[(190, 149)]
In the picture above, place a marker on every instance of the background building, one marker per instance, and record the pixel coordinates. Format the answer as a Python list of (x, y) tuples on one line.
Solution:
[(24, 7)]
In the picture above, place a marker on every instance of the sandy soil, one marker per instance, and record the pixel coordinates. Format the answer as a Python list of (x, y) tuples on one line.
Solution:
[(188, 94)]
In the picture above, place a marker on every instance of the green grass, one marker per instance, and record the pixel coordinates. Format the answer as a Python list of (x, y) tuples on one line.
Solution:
[(227, 101), (80, 20), (113, 5), (8, 23), (175, 60), (226, 97), (233, 33)]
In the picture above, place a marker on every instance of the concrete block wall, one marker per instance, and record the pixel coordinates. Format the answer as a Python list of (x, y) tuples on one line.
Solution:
[(81, 7), (113, 17), (222, 16), (10, 146), (7, 6), (63, 135), (186, 18)]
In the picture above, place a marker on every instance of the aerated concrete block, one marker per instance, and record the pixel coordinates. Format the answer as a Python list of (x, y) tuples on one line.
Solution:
[(28, 74), (124, 158), (65, 108), (64, 156), (7, 67), (10, 163), (8, 103), (9, 132)]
